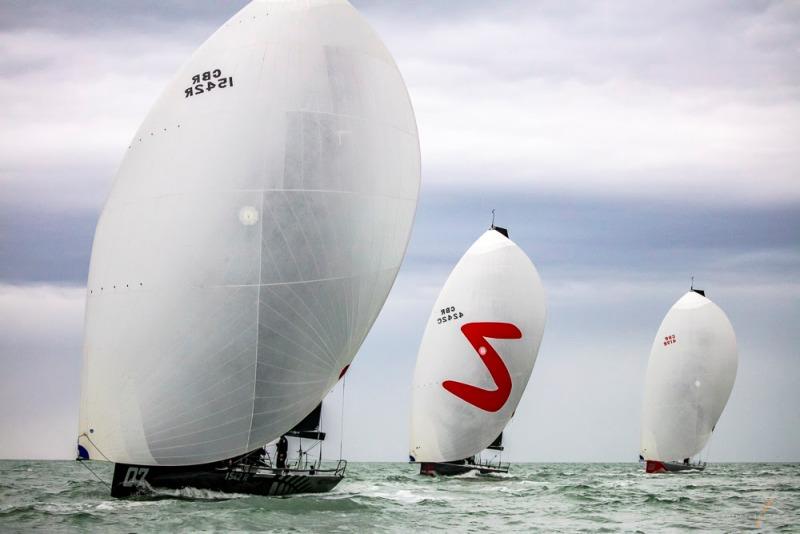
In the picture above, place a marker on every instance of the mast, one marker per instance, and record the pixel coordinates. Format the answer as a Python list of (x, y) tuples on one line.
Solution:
[(698, 291), (500, 229)]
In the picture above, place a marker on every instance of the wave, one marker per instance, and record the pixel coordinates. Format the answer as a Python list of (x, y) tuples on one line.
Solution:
[(189, 494), (393, 498)]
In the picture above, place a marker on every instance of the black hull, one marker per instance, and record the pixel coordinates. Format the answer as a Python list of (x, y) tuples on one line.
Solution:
[(132, 480), (451, 469), (654, 466)]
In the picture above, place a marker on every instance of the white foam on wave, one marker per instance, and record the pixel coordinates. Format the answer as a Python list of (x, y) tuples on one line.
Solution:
[(195, 493), (500, 475), (402, 496), (469, 474), (475, 473), (123, 505)]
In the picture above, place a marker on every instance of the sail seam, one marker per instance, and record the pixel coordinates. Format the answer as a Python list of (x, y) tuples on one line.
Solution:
[(264, 190), (297, 282), (357, 118), (320, 337), (202, 431), (293, 341), (319, 271), (258, 325)]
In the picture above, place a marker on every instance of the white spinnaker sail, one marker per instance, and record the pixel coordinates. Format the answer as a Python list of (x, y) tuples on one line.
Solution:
[(252, 234), (690, 376), (478, 351)]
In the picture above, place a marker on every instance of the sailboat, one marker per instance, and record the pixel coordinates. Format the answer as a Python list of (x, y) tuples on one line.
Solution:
[(476, 357), (690, 376), (252, 234)]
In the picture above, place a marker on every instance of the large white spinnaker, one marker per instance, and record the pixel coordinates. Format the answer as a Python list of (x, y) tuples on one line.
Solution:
[(252, 234), (477, 352), (690, 376)]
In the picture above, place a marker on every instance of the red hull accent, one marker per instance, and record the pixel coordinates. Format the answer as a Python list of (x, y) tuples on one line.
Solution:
[(653, 466), (343, 371), (427, 468), (450, 469)]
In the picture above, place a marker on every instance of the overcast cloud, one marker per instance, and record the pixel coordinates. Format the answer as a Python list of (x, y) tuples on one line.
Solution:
[(627, 145)]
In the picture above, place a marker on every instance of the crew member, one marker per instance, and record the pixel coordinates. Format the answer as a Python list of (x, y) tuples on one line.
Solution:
[(283, 449)]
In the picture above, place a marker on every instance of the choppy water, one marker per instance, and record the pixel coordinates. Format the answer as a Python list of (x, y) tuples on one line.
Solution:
[(63, 496)]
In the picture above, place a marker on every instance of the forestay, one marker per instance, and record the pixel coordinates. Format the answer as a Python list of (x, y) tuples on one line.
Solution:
[(689, 378), (478, 351), (252, 234)]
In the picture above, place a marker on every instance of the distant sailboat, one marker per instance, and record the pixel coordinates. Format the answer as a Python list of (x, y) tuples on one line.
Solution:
[(476, 356), (690, 376), (252, 234)]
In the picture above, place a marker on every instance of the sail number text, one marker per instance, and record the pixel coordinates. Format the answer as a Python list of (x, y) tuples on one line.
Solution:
[(669, 340), (448, 314), (207, 82), (135, 476), (237, 475)]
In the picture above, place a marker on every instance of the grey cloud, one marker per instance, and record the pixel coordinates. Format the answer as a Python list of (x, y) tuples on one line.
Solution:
[(579, 98), (78, 16), (677, 43), (571, 238), (41, 246), (624, 98), (575, 236)]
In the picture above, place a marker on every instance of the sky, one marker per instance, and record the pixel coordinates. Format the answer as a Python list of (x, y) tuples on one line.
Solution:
[(626, 145)]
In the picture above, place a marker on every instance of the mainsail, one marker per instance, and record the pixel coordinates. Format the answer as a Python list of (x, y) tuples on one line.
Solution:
[(689, 378), (497, 444), (309, 427), (478, 351), (252, 234)]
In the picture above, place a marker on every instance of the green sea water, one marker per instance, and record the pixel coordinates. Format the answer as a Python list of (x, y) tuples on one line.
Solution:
[(392, 497)]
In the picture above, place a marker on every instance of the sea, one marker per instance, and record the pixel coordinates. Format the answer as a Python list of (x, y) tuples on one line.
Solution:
[(63, 496)]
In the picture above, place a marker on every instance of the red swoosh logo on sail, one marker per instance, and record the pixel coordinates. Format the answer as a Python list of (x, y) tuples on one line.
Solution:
[(486, 399)]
